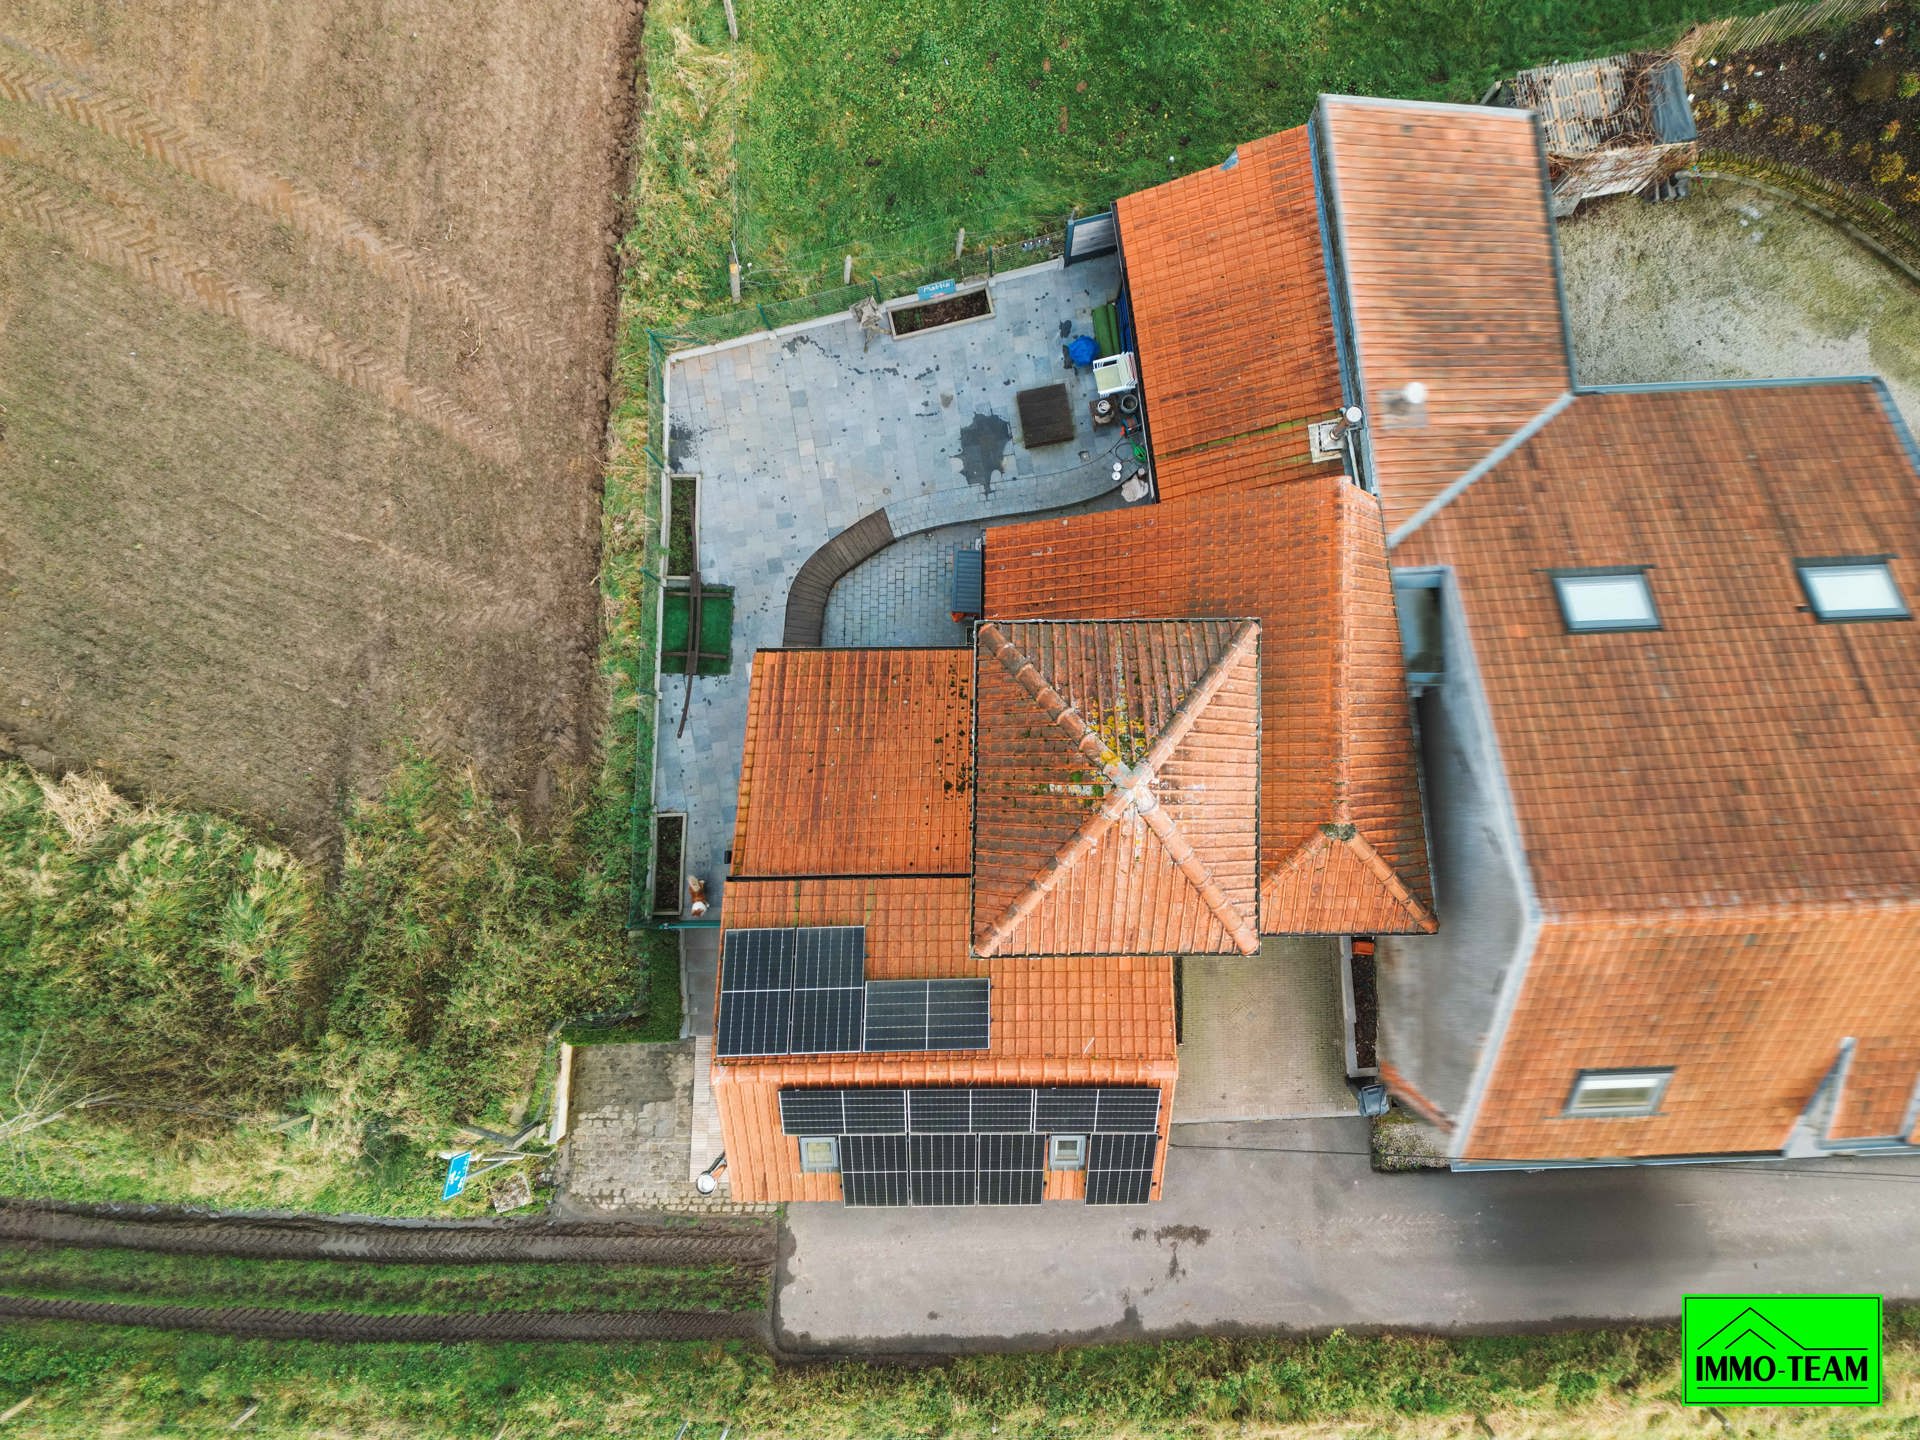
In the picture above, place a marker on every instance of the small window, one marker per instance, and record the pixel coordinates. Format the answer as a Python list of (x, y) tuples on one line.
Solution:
[(1861, 589), (1066, 1152), (1605, 600), (819, 1154), (1618, 1092)]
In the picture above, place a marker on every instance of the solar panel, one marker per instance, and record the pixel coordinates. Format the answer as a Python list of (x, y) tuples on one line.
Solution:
[(1066, 1111), (957, 1014), (873, 1169), (942, 1169), (757, 960), (1120, 1169), (927, 1014), (754, 1022), (1012, 1169), (876, 1112), (937, 1111), (827, 1021), (1135, 1109), (1002, 1110), (828, 957), (812, 1112)]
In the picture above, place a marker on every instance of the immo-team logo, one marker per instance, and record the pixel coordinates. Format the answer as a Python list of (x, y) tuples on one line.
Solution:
[(1781, 1349)]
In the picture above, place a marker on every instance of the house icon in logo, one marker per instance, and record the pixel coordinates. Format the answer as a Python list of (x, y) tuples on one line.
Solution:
[(1751, 1357)]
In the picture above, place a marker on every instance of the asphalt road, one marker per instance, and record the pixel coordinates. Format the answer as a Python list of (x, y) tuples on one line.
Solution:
[(1284, 1226)]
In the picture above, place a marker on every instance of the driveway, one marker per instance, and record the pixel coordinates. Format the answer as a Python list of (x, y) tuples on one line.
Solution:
[(1283, 1226)]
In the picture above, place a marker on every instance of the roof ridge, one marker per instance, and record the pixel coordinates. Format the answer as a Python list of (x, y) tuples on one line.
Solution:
[(1346, 835), (1132, 788)]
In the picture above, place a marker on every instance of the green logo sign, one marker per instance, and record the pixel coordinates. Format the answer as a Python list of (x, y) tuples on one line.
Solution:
[(1781, 1349)]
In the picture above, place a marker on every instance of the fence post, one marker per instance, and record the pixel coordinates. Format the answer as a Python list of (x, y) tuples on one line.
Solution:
[(846, 272), (876, 291), (733, 271), (960, 242), (733, 25), (763, 314)]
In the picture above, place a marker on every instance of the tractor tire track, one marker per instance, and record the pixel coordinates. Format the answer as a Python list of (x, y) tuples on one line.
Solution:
[(344, 1325), (139, 251), (393, 1242), (220, 167)]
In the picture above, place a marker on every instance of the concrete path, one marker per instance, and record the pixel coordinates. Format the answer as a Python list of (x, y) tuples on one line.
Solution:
[(1284, 1226), (1263, 1037)]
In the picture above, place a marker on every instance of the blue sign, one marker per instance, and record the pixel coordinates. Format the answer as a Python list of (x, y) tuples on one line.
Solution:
[(938, 288), (456, 1175)]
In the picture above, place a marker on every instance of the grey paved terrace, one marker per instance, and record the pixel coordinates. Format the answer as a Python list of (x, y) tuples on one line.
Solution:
[(1283, 1226), (798, 434)]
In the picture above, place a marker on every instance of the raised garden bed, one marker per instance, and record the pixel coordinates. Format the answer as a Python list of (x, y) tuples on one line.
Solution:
[(1844, 105), (669, 858), (1359, 996), (683, 499), (716, 630), (911, 319)]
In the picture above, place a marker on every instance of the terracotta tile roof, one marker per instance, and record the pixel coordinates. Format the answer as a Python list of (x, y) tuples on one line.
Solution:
[(1878, 1089), (857, 762), (1749, 1006), (1212, 371), (1446, 242), (1336, 749), (916, 925), (1117, 767), (1744, 753)]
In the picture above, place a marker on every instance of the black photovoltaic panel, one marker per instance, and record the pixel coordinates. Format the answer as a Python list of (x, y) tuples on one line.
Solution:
[(935, 1111), (754, 1022), (896, 1015), (876, 1112), (927, 1014), (1120, 1168), (828, 957), (1012, 1169), (757, 960), (1066, 1111), (813, 1112), (873, 1169), (1135, 1109), (1002, 1110), (957, 1014), (792, 991), (827, 1021), (942, 1169)]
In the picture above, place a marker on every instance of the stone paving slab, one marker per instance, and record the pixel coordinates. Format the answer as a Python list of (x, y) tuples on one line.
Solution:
[(1261, 1035), (797, 435)]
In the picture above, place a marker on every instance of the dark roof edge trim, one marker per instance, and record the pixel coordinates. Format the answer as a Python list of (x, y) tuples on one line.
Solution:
[(1492, 459), (1553, 247)]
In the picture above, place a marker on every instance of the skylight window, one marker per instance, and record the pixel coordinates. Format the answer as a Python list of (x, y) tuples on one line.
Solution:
[(1618, 1092), (1855, 589), (1593, 600)]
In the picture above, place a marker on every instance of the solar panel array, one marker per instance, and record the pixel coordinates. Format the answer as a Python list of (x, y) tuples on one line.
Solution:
[(803, 991), (927, 1015), (1120, 1168), (976, 1110)]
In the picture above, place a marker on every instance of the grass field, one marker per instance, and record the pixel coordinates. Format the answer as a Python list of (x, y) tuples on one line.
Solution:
[(1606, 1385), (131, 1276)]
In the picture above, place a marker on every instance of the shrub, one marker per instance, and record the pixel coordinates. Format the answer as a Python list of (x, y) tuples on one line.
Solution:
[(1718, 113), (1891, 133), (1863, 152), (1832, 142), (1909, 85), (1752, 113), (1811, 132), (1889, 169), (1783, 125)]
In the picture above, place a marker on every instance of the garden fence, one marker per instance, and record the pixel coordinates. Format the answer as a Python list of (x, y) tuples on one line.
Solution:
[(1783, 22)]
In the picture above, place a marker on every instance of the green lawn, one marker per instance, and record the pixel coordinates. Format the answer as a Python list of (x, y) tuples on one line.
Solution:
[(1597, 1385), (886, 126), (138, 1277)]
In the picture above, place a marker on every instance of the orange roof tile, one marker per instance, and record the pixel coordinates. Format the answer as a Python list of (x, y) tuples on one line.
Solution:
[(857, 762), (1744, 753), (1878, 1089), (1446, 244), (1116, 766), (1210, 371), (1336, 746)]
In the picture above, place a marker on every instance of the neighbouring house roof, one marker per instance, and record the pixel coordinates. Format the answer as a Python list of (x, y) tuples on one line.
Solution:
[(1117, 787), (1228, 285), (1446, 244), (1744, 753), (1342, 840), (857, 762)]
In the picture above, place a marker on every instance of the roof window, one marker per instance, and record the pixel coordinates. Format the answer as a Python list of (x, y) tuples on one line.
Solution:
[(1860, 588), (1618, 1092), (1616, 599)]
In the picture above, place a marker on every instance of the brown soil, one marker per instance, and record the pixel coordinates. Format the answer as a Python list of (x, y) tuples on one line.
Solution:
[(1366, 1008), (911, 318), (306, 319), (1845, 105)]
